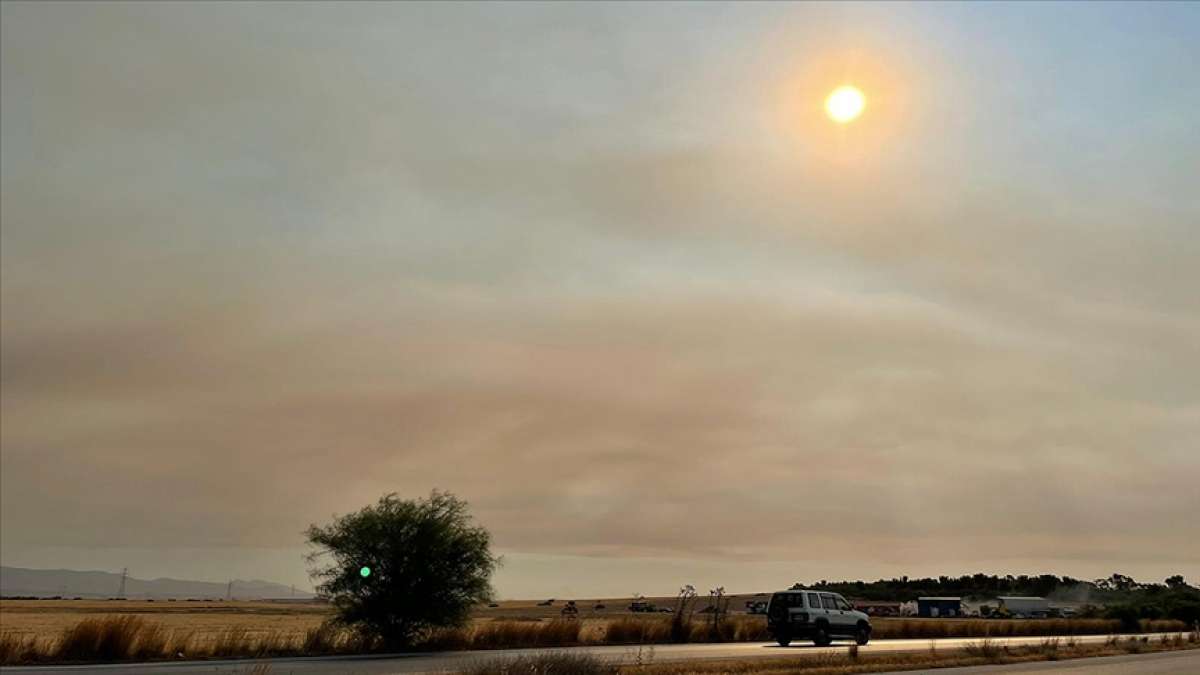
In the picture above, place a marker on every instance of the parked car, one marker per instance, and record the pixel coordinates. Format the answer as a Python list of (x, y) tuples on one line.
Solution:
[(819, 616)]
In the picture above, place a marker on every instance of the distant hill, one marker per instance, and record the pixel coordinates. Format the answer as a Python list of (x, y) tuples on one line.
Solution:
[(15, 581)]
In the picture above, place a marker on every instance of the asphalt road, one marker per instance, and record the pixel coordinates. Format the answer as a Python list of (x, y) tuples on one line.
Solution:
[(442, 662), (1164, 663)]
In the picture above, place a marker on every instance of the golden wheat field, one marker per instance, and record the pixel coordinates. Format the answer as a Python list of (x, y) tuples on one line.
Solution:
[(50, 617), (211, 617)]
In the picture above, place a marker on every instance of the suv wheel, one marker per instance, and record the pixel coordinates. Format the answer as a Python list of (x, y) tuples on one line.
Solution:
[(821, 636), (863, 635), (783, 639)]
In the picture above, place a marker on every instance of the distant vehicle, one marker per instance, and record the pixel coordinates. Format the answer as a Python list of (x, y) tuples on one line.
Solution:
[(819, 616), (546, 603), (493, 604), (756, 606), (642, 606), (599, 605), (873, 608), (1023, 607), (570, 610)]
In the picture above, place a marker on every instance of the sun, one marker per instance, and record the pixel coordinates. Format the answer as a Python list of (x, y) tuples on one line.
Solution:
[(845, 103)]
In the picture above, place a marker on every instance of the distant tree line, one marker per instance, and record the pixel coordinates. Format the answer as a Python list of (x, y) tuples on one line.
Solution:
[(1117, 596)]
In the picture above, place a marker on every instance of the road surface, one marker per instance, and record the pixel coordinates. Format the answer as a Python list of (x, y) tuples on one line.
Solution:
[(1162, 663), (442, 662)]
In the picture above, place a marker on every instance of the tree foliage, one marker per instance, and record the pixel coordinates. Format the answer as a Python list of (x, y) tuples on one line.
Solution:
[(1124, 597), (428, 567)]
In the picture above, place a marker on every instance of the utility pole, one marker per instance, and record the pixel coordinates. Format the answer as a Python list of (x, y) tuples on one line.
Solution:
[(124, 576)]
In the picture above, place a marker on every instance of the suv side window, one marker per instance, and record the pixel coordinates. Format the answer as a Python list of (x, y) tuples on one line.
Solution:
[(814, 601), (841, 602), (827, 600)]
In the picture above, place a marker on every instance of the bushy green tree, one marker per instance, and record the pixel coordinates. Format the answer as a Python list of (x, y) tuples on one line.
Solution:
[(398, 568)]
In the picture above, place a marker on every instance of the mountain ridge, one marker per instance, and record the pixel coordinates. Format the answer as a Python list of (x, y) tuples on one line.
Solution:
[(24, 581)]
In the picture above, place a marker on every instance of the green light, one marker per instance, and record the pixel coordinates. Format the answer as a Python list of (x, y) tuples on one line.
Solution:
[(365, 571)]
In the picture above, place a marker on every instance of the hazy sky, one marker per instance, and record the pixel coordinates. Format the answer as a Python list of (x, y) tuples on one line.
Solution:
[(608, 273)]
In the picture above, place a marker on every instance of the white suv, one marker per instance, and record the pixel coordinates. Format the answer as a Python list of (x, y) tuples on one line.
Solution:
[(816, 615)]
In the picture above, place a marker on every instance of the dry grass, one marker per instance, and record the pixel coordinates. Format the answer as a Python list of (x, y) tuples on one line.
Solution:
[(324, 639), (549, 663), (508, 635), (511, 634), (47, 619), (986, 649), (17, 648), (630, 631), (133, 637), (112, 639), (851, 661), (209, 621)]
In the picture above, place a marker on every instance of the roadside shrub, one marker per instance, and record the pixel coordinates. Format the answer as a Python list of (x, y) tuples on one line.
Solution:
[(681, 617), (549, 663), (16, 648), (985, 649), (511, 634), (1050, 649), (152, 642), (323, 639), (631, 631), (446, 639), (749, 629), (102, 639)]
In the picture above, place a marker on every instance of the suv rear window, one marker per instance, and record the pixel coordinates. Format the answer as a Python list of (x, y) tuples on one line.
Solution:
[(814, 601), (786, 600)]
